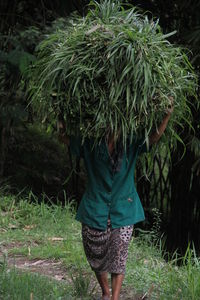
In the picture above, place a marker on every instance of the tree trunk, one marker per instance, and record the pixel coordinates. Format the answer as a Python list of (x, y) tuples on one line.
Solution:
[(184, 219)]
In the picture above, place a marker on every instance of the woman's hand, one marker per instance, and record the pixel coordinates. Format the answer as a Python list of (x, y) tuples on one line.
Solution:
[(170, 108)]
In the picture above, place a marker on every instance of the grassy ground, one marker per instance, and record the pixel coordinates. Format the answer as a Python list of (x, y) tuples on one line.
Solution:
[(49, 232)]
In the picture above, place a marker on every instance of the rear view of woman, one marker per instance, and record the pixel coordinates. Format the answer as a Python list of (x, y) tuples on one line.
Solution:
[(110, 205)]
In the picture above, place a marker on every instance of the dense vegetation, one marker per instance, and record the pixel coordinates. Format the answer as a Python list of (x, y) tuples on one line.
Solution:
[(31, 158)]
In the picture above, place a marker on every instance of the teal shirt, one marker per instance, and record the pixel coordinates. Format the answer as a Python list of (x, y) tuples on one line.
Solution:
[(108, 194)]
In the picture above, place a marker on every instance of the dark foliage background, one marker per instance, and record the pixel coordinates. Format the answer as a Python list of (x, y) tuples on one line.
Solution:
[(30, 155)]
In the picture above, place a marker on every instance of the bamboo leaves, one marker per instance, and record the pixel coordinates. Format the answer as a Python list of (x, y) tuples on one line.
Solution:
[(112, 70)]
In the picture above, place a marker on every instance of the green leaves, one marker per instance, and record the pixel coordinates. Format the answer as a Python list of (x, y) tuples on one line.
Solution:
[(112, 70), (18, 58)]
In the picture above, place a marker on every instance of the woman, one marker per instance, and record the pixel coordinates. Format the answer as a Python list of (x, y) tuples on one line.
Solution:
[(110, 205)]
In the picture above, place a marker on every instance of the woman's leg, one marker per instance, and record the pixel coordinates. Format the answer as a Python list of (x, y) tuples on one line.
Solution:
[(116, 281), (103, 281), (96, 246), (119, 242)]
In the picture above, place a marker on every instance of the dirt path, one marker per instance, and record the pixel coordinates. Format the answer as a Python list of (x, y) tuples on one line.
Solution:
[(51, 268), (48, 267)]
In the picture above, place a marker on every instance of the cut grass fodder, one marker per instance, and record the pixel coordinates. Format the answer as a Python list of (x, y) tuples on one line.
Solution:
[(111, 71)]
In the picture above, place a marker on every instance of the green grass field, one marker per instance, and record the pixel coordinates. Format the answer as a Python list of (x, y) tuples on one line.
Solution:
[(49, 232)]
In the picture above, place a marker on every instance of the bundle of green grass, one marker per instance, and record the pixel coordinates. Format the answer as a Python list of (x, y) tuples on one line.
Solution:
[(111, 71)]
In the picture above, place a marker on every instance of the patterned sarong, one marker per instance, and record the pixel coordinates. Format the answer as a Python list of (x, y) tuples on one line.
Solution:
[(107, 251)]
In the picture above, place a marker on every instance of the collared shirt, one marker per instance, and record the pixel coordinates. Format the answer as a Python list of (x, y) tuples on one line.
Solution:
[(108, 194)]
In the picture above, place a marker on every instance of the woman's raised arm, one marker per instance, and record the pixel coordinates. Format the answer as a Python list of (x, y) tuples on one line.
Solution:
[(62, 136), (154, 137)]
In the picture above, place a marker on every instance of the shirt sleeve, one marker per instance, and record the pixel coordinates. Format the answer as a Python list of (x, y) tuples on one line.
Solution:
[(75, 146)]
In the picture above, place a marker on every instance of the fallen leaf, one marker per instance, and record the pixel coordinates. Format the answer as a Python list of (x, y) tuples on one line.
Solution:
[(12, 226), (59, 277), (28, 227), (55, 239)]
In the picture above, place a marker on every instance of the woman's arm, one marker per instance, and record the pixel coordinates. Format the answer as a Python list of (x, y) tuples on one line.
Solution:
[(63, 138), (154, 138)]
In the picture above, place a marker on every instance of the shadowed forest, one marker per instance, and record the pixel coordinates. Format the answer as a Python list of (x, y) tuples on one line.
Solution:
[(31, 156)]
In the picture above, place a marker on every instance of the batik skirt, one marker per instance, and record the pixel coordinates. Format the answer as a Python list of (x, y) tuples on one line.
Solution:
[(107, 251)]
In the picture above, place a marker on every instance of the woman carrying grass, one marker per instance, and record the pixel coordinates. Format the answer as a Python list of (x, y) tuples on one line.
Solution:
[(110, 205), (113, 69)]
